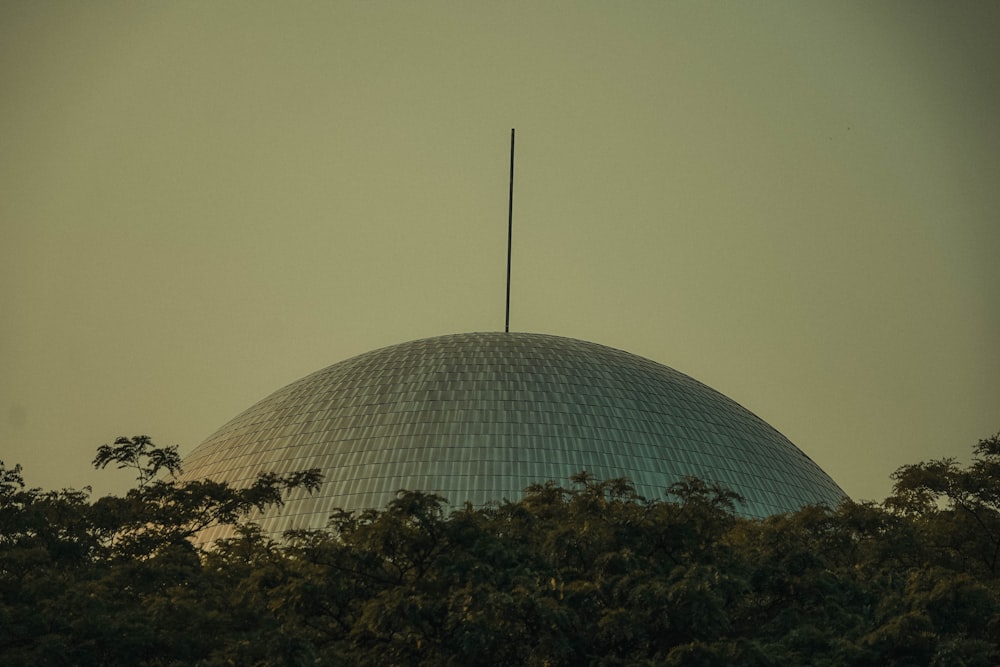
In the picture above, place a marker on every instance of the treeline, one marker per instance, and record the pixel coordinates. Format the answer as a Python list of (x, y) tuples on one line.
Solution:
[(589, 574)]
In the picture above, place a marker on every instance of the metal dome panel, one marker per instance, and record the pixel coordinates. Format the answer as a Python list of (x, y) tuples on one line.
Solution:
[(478, 417)]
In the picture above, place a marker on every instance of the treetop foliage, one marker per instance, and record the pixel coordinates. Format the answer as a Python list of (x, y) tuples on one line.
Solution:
[(585, 574)]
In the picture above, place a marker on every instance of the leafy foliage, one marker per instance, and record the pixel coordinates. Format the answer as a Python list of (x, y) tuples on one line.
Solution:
[(591, 573)]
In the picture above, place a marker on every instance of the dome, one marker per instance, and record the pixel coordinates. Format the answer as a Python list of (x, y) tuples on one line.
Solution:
[(478, 417)]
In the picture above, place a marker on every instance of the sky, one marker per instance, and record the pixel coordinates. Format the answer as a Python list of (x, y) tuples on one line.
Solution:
[(796, 203)]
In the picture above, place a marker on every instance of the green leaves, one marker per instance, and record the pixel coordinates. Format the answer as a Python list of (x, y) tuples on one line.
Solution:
[(590, 573), (141, 454)]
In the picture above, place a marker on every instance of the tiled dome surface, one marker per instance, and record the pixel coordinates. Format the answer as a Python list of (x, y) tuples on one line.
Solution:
[(480, 416)]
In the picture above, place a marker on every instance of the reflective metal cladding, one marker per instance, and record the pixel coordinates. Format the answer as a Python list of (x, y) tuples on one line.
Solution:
[(480, 416)]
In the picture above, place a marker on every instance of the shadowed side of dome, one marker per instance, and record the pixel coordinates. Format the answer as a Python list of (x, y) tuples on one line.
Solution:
[(478, 417)]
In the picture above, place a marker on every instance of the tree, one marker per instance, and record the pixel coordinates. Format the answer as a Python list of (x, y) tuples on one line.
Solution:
[(957, 510), (584, 574), (117, 581), (160, 512), (140, 453)]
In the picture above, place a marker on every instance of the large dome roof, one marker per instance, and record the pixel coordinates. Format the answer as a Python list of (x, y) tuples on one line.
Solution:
[(480, 416)]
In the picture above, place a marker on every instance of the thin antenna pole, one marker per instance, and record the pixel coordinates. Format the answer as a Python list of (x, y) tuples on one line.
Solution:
[(510, 229)]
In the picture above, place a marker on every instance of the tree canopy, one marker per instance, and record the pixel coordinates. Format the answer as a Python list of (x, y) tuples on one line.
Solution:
[(586, 573)]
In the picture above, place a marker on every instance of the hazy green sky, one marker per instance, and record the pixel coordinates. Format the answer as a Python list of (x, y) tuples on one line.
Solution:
[(797, 203)]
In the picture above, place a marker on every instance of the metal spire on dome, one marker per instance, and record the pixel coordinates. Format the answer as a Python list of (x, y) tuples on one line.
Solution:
[(510, 229)]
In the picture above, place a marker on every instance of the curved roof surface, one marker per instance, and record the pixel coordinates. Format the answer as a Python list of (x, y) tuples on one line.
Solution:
[(480, 416)]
